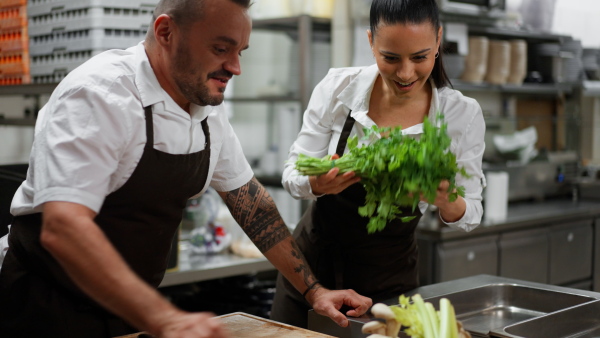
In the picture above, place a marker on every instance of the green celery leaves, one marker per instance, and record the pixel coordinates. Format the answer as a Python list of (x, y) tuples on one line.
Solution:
[(395, 170)]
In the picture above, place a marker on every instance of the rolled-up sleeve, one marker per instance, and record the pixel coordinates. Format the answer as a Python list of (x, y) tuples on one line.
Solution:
[(313, 139), (469, 155)]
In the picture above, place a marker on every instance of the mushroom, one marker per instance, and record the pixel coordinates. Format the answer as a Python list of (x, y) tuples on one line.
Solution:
[(462, 333), (383, 311), (374, 327)]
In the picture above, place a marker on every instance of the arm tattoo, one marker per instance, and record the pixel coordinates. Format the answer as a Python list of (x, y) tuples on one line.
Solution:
[(255, 211), (304, 269)]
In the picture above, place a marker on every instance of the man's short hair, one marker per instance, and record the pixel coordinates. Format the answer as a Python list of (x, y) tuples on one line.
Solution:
[(185, 12)]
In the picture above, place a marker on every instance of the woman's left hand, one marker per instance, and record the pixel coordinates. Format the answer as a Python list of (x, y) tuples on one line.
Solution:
[(449, 211)]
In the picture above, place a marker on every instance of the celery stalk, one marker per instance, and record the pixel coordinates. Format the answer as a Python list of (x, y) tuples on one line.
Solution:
[(423, 316), (433, 319), (453, 326), (445, 319)]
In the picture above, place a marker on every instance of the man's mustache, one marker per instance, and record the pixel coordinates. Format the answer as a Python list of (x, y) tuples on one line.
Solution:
[(221, 73)]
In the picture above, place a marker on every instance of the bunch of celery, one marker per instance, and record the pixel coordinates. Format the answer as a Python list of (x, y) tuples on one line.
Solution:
[(396, 170), (421, 320)]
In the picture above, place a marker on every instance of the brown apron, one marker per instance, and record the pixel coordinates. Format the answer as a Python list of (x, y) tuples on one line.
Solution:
[(38, 299), (342, 255)]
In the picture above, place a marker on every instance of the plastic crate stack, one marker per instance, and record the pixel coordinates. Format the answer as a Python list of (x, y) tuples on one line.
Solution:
[(65, 33), (14, 45)]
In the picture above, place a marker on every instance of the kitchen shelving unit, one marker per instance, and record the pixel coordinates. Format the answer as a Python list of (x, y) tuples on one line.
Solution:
[(305, 29)]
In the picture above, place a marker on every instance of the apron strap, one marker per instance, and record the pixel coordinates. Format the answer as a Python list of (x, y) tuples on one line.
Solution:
[(338, 262), (149, 127), (345, 134)]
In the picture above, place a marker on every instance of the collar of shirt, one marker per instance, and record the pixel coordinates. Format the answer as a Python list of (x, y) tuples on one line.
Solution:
[(357, 94), (152, 94)]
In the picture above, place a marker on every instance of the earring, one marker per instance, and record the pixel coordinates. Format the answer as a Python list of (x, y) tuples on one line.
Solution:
[(437, 54)]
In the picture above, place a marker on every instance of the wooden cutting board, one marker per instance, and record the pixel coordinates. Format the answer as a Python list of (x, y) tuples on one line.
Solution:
[(243, 325)]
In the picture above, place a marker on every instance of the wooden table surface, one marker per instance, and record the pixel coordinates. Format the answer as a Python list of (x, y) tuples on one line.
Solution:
[(243, 325)]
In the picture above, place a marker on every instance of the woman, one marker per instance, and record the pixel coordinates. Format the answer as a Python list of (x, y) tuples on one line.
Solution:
[(407, 84)]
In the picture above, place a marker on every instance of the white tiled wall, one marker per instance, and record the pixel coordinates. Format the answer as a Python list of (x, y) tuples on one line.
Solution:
[(580, 19)]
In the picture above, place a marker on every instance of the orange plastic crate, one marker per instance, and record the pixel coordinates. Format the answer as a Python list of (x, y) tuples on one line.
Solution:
[(10, 3), (14, 80), (14, 69), (13, 46), (13, 40), (12, 23), (14, 17)]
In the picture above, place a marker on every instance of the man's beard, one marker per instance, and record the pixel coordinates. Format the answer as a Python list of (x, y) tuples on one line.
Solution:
[(194, 89)]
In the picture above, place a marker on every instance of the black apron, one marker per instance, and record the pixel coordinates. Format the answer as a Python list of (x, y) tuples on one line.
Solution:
[(38, 299), (343, 255)]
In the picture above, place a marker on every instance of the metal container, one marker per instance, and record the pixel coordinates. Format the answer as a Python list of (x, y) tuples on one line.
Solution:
[(490, 306), (580, 321)]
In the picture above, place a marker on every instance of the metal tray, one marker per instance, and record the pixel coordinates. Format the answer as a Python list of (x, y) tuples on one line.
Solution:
[(581, 321), (489, 308), (500, 307)]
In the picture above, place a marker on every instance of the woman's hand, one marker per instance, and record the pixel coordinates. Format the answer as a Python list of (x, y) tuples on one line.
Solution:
[(449, 211), (332, 183)]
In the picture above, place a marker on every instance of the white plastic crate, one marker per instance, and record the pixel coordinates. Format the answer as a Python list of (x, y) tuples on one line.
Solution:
[(65, 33)]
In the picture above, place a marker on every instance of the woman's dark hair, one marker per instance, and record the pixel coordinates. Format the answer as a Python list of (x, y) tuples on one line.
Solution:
[(390, 12)]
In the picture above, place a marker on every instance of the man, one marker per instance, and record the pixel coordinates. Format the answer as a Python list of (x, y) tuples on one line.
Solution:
[(124, 141)]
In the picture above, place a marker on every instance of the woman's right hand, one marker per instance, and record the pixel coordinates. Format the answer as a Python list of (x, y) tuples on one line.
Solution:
[(332, 183)]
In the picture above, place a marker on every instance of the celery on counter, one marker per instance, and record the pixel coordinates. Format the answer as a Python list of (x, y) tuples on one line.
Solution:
[(417, 319)]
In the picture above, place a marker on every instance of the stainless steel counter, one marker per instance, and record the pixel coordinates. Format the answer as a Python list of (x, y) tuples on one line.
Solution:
[(520, 216), (197, 267), (493, 310)]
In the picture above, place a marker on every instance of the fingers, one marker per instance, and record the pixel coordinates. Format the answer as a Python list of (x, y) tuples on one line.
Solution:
[(444, 184), (337, 316), (329, 303), (360, 305), (333, 183)]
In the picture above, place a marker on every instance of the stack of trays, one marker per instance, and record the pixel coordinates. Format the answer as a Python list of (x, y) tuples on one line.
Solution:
[(591, 63), (64, 33), (14, 49), (572, 64)]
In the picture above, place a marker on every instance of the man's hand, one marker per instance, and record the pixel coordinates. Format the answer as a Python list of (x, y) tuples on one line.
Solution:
[(329, 302), (255, 211), (192, 325)]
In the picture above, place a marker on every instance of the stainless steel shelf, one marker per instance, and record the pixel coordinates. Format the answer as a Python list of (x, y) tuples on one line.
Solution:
[(591, 88), (290, 24), (530, 36), (263, 99), (197, 268), (28, 89), (17, 122), (297, 27), (551, 89)]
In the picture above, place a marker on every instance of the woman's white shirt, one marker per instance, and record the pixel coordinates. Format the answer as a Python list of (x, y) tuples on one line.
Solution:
[(349, 89), (90, 135)]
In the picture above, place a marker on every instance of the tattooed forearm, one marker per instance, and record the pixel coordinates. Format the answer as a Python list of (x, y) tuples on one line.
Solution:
[(302, 268), (255, 211)]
